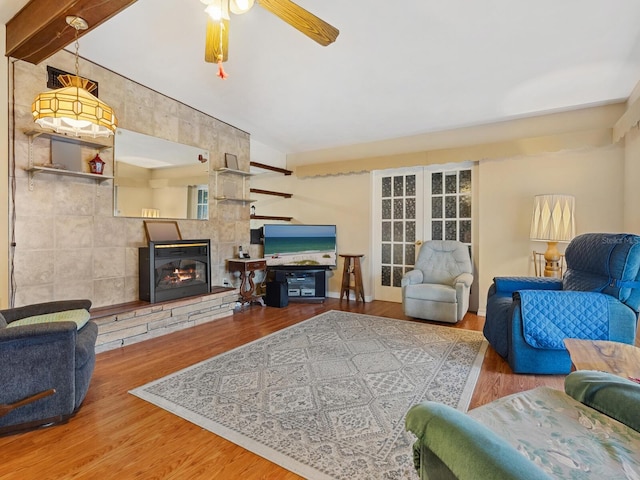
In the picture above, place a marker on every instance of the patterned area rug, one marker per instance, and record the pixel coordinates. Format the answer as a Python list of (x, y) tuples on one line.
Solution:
[(326, 398)]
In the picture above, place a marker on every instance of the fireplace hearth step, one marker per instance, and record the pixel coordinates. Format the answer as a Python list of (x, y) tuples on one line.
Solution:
[(132, 322), (105, 311)]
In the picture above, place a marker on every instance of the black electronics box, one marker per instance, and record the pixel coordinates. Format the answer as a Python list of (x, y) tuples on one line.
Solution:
[(277, 294)]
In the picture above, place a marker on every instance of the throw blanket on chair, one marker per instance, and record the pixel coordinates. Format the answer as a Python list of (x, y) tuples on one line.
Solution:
[(548, 317)]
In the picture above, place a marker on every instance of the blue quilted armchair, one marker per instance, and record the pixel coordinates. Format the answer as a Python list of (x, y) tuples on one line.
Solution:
[(598, 298)]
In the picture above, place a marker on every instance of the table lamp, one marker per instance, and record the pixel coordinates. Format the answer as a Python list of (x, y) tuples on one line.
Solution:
[(553, 221)]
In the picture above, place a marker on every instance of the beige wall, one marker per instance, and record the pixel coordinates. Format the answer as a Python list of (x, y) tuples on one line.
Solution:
[(69, 244), (568, 129), (631, 176), (166, 189), (509, 173), (504, 195), (507, 187), (343, 200)]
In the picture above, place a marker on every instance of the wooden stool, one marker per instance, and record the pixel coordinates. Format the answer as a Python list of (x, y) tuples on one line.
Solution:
[(352, 269)]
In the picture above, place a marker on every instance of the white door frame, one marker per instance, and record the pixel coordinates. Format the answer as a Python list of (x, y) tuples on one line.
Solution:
[(423, 217)]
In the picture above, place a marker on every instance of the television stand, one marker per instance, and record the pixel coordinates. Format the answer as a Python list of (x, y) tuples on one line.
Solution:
[(304, 284)]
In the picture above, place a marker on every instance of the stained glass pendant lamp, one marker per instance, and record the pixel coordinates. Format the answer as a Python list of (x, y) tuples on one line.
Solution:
[(72, 109)]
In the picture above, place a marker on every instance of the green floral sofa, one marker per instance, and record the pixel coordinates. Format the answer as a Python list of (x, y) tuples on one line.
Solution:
[(592, 430)]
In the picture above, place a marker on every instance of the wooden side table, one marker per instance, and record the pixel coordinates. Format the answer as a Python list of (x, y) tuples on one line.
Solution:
[(352, 267), (247, 268), (614, 357)]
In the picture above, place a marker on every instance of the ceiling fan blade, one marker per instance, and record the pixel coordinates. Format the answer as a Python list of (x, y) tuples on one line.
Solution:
[(304, 21), (217, 40)]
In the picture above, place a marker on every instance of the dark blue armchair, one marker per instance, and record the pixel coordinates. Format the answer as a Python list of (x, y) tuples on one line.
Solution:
[(598, 299), (45, 366)]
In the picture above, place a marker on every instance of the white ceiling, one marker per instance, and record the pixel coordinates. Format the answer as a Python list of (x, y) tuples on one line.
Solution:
[(397, 68)]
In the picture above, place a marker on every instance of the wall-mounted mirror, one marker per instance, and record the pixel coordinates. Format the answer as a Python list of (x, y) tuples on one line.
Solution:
[(157, 178)]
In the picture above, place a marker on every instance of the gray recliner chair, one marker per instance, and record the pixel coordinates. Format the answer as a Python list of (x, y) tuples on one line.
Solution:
[(438, 287), (47, 359)]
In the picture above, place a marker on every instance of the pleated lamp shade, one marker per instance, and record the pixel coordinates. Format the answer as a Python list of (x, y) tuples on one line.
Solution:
[(553, 218)]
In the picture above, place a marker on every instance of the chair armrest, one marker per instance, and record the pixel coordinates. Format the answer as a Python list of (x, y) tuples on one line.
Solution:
[(35, 333), (36, 358), (513, 284), (412, 277), (466, 447), (17, 313), (464, 278), (610, 394)]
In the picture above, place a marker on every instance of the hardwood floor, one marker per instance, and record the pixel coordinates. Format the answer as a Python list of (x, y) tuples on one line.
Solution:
[(117, 435)]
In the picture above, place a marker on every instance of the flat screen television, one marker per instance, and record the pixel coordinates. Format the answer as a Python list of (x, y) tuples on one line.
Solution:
[(300, 245)]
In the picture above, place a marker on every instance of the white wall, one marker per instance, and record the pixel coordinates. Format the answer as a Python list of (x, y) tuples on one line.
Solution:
[(262, 153)]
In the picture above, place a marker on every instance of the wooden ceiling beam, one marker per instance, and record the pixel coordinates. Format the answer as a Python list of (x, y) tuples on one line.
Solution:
[(40, 29)]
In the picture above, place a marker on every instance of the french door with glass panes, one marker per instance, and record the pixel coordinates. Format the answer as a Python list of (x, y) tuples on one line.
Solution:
[(410, 206)]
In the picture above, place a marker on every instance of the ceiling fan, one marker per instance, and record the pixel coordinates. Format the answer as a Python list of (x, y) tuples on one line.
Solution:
[(217, 37)]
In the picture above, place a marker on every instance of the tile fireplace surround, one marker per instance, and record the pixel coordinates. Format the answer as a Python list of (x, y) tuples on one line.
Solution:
[(125, 324)]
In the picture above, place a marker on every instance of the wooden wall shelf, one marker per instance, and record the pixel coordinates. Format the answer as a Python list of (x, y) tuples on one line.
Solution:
[(270, 217), (270, 192), (264, 166)]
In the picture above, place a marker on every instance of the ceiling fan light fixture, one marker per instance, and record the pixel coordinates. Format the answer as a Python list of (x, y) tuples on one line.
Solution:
[(72, 109), (239, 7), (217, 34), (218, 10)]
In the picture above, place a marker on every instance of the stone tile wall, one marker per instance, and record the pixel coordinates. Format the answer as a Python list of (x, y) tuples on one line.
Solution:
[(68, 243)]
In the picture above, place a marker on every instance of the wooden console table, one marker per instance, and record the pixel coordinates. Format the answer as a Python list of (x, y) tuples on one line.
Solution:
[(247, 267), (614, 357)]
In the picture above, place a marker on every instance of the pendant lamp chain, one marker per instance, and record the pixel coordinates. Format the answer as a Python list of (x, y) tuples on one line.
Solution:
[(221, 73), (77, 45)]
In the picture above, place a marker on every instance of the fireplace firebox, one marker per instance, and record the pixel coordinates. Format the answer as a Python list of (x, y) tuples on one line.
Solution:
[(174, 269)]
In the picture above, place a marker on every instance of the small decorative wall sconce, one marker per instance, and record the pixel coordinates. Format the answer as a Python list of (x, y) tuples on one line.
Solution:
[(97, 165)]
